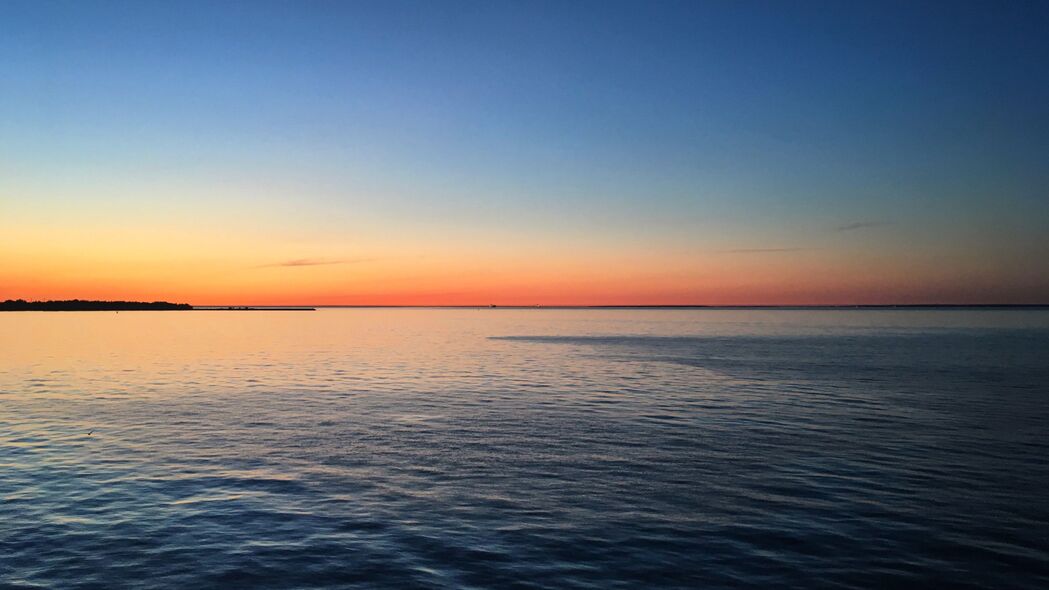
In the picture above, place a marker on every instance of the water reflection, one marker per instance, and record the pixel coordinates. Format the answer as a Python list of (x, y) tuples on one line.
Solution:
[(529, 448)]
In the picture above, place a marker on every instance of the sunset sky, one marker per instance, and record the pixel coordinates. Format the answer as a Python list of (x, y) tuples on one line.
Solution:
[(525, 152)]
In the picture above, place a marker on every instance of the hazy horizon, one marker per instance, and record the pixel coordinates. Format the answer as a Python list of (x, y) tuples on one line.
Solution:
[(942, 304)]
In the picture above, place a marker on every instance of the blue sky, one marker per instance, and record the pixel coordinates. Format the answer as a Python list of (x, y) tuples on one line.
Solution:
[(676, 129)]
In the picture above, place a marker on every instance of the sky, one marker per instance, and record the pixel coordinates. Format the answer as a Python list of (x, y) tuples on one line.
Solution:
[(521, 153)]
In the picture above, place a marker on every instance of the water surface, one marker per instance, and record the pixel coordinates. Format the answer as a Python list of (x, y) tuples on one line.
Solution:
[(356, 448)]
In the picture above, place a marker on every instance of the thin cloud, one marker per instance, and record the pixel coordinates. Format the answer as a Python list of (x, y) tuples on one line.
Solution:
[(762, 250), (316, 262), (862, 225)]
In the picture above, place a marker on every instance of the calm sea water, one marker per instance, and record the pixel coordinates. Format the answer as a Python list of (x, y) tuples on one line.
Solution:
[(524, 449)]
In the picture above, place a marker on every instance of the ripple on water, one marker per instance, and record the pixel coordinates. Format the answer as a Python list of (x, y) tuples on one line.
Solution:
[(407, 448)]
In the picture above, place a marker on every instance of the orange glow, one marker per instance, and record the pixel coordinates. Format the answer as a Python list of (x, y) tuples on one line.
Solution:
[(221, 261), (498, 278)]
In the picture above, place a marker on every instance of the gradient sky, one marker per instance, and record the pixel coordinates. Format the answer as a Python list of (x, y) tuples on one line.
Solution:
[(525, 152)]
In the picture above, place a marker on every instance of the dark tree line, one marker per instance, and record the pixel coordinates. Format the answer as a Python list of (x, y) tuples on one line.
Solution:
[(82, 305)]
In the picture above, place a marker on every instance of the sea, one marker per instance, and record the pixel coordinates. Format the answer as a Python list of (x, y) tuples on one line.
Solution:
[(525, 448)]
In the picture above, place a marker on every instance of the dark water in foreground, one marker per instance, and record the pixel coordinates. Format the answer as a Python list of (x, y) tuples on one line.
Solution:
[(525, 449)]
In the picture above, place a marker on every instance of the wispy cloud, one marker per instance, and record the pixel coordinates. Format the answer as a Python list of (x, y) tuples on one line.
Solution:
[(862, 225), (315, 262), (761, 250)]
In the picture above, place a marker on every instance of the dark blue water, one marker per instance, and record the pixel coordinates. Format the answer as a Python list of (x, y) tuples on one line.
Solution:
[(525, 449)]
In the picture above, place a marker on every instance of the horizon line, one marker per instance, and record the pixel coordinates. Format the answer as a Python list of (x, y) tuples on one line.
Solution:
[(563, 306), (634, 306)]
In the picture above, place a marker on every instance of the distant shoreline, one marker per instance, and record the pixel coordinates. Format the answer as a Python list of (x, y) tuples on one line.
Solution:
[(252, 308), (85, 305)]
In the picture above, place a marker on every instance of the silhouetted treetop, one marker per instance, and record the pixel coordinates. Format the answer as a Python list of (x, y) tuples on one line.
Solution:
[(84, 305)]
